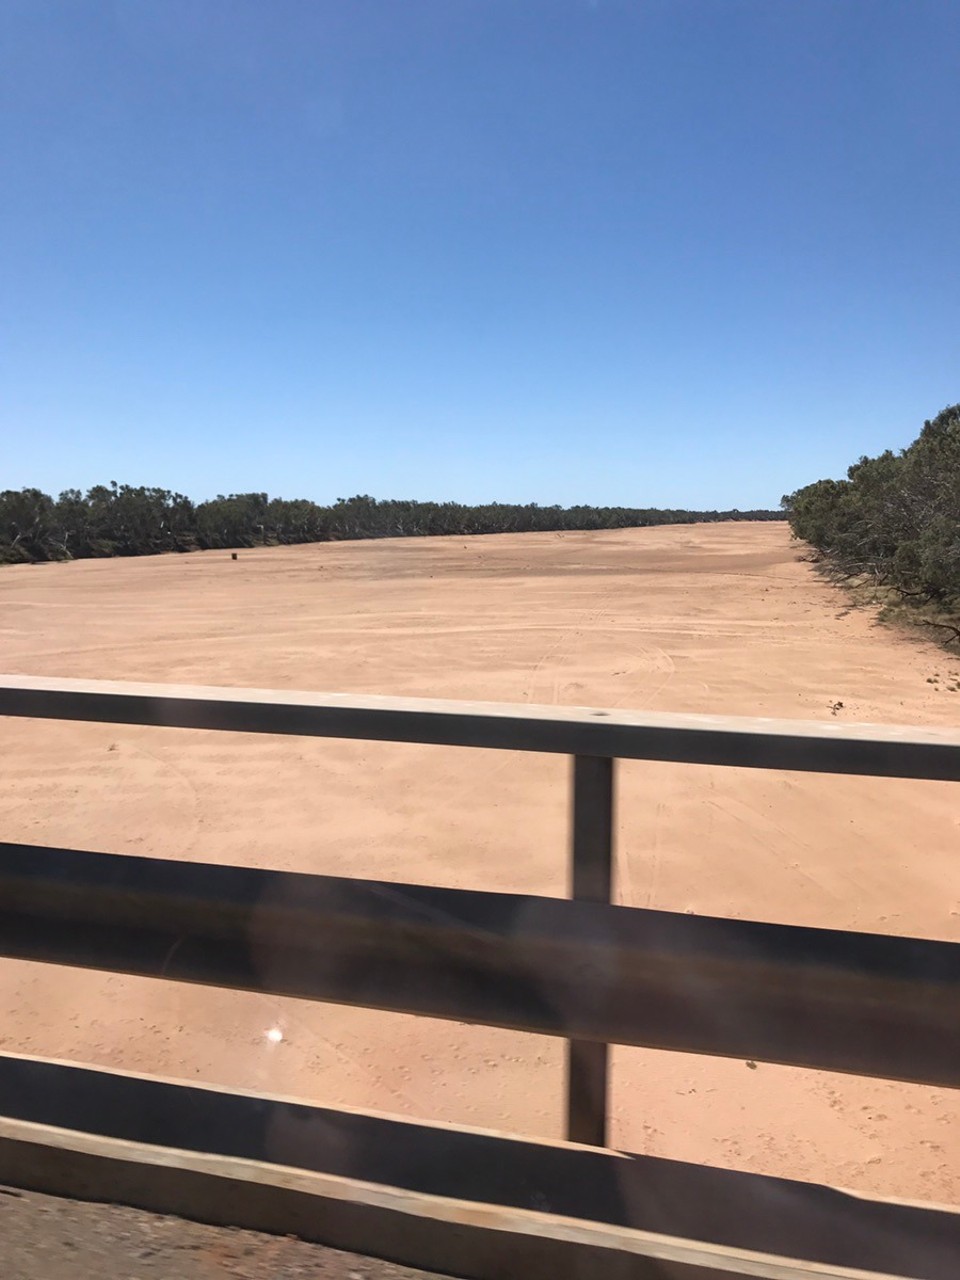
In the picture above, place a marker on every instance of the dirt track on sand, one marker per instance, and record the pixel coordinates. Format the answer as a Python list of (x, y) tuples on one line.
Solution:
[(712, 618)]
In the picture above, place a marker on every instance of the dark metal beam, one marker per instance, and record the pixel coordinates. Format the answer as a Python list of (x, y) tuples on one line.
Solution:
[(808, 746), (591, 880), (853, 1002), (244, 1138)]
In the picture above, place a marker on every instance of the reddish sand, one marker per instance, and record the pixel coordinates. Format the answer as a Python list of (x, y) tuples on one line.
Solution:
[(714, 618)]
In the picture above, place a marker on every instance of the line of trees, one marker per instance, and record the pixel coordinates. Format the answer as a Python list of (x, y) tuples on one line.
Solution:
[(894, 522), (127, 520)]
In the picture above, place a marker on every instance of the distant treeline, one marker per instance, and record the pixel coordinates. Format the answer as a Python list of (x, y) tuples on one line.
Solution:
[(124, 520), (894, 523)]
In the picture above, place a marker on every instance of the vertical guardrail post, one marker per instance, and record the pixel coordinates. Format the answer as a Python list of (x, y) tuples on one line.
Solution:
[(591, 881)]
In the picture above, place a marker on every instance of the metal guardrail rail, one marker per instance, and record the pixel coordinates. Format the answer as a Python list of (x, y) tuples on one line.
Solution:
[(584, 969)]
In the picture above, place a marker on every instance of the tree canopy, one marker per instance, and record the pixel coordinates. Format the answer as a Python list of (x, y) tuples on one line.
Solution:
[(127, 520), (894, 521)]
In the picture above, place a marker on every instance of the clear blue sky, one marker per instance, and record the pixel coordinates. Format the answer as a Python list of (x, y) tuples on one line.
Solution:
[(671, 252)]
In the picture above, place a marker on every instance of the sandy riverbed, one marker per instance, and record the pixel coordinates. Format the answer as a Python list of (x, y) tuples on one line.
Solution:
[(714, 618)]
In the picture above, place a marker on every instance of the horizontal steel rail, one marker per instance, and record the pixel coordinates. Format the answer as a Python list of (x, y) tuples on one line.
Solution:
[(861, 1003), (225, 1154), (583, 969), (749, 743)]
